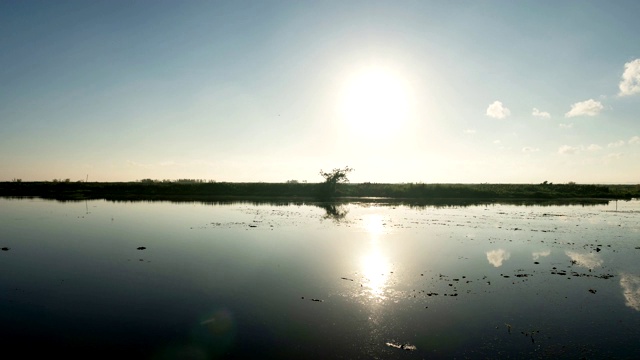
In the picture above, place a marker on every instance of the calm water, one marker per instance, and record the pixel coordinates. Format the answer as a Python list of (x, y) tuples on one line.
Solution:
[(302, 281)]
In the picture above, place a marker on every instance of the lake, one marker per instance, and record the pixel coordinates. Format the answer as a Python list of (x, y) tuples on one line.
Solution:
[(164, 280)]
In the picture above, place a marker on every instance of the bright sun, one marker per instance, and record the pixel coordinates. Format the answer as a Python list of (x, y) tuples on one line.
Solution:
[(374, 102)]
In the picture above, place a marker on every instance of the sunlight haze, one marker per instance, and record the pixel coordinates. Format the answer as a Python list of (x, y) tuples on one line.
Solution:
[(270, 91)]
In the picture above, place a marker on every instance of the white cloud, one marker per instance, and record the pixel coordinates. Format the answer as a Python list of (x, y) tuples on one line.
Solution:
[(616, 144), (470, 131), (497, 257), (585, 108), (614, 156), (498, 111), (540, 114), (594, 147), (527, 149), (538, 254), (634, 140), (568, 150), (630, 83), (589, 261), (631, 290), (496, 141), (566, 126)]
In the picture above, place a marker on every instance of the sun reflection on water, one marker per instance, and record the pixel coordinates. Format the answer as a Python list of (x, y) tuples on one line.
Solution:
[(375, 266), (375, 269), (374, 225)]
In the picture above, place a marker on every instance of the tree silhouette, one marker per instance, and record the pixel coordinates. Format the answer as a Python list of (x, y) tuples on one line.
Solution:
[(332, 178)]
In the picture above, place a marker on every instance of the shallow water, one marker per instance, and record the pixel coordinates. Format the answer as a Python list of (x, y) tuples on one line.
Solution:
[(303, 281)]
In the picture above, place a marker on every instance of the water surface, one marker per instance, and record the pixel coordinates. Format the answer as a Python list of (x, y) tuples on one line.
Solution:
[(361, 280)]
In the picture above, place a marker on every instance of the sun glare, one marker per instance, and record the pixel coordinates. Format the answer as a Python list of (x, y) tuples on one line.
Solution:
[(374, 102), (375, 269), (374, 225)]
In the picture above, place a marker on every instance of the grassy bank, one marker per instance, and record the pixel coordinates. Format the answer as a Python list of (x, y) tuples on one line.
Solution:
[(209, 191)]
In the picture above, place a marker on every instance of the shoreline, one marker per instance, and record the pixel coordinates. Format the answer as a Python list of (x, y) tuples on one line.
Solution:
[(436, 194)]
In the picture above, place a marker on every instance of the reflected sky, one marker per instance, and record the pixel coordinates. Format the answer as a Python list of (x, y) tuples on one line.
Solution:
[(631, 290), (497, 257), (220, 277), (538, 254), (585, 260)]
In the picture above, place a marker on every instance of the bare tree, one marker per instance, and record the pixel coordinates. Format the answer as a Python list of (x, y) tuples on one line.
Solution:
[(334, 177)]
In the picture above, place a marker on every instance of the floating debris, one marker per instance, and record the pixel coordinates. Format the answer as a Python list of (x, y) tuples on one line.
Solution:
[(604, 276), (5, 248), (593, 291), (317, 300), (407, 347), (523, 275), (344, 278), (141, 248), (558, 273)]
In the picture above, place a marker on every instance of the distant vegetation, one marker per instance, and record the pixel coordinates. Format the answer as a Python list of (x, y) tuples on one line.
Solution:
[(333, 187), (331, 180)]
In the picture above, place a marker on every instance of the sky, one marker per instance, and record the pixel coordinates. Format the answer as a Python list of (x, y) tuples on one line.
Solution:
[(271, 91)]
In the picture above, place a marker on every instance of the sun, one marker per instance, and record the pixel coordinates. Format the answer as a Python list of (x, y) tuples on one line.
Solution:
[(374, 102)]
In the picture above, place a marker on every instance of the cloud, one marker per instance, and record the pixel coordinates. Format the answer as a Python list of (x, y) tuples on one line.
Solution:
[(588, 261), (566, 126), (538, 254), (498, 111), (568, 150), (470, 131), (594, 147), (616, 144), (528, 149), (540, 114), (630, 83), (614, 156), (497, 257), (634, 140), (585, 108), (631, 290), (496, 141)]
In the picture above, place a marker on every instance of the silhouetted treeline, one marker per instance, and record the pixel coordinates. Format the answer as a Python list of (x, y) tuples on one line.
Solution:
[(212, 190), (492, 191)]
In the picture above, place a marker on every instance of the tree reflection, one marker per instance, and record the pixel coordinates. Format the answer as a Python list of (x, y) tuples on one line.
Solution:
[(335, 212)]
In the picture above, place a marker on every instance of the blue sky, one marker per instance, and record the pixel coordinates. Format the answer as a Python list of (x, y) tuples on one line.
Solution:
[(402, 91)]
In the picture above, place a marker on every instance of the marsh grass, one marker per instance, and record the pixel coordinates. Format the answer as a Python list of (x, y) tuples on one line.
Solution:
[(201, 191)]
